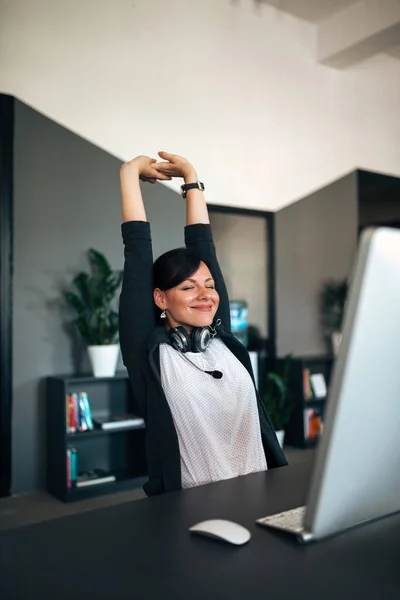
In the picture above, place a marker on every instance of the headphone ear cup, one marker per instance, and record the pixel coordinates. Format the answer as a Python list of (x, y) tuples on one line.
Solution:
[(201, 338), (180, 339)]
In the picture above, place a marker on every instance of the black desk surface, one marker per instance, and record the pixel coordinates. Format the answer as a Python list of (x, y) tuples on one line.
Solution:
[(143, 550)]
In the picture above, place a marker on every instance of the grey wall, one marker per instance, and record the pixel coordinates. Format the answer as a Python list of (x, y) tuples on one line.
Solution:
[(66, 199), (316, 239)]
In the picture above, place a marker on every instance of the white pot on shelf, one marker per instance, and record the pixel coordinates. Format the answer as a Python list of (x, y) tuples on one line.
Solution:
[(104, 359), (281, 436)]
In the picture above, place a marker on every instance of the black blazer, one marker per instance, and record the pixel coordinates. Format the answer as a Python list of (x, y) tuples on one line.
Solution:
[(140, 337)]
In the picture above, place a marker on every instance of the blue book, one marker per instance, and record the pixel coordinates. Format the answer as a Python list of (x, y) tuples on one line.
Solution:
[(74, 465), (87, 410)]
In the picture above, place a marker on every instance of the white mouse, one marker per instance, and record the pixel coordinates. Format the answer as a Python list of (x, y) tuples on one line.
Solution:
[(222, 530)]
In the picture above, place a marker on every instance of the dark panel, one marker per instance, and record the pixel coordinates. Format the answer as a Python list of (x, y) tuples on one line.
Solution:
[(370, 179), (270, 233), (271, 286), (6, 269)]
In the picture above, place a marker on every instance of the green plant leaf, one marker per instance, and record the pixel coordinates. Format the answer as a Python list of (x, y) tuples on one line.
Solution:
[(94, 301), (99, 263), (74, 301), (82, 284), (332, 300), (277, 398)]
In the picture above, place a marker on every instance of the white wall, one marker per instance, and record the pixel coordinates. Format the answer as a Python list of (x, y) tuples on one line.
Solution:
[(235, 89)]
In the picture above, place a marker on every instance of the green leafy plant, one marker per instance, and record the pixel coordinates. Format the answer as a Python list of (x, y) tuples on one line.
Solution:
[(332, 302), (277, 397), (93, 300)]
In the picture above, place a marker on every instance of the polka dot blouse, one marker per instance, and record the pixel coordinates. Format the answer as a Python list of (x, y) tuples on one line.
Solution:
[(216, 420)]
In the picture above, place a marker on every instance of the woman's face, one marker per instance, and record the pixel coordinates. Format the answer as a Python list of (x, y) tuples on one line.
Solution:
[(193, 303)]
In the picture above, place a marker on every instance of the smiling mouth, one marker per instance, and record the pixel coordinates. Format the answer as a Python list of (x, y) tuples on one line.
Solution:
[(205, 308)]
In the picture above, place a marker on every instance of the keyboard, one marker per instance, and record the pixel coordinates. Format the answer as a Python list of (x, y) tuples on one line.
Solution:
[(290, 520)]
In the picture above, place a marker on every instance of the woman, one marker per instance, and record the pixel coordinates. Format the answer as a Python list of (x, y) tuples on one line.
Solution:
[(191, 378)]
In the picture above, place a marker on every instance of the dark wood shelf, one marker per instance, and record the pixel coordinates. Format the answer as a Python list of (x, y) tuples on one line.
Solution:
[(294, 434), (111, 487), (311, 443), (89, 378), (314, 402), (108, 450), (87, 435)]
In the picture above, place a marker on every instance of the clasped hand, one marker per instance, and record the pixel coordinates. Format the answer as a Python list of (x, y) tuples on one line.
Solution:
[(150, 170)]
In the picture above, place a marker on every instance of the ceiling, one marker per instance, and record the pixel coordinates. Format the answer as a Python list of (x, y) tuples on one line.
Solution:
[(313, 11), (317, 11), (247, 101)]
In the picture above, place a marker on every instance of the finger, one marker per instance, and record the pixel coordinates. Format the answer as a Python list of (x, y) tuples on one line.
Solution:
[(165, 167), (167, 156), (162, 166), (169, 173), (160, 174)]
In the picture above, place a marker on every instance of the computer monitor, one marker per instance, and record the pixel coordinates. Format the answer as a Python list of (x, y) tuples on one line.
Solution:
[(356, 476)]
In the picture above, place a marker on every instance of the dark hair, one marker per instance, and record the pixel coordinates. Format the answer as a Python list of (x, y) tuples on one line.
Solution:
[(172, 268)]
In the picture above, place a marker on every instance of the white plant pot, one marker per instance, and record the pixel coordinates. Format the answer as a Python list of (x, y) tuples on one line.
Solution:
[(281, 437), (104, 360)]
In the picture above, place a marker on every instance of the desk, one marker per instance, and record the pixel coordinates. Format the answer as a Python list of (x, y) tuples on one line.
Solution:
[(142, 550)]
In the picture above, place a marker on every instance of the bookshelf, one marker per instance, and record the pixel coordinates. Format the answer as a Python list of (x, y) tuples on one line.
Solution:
[(308, 409), (117, 454)]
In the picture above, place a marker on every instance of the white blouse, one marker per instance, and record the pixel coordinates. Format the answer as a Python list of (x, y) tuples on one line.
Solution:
[(216, 420)]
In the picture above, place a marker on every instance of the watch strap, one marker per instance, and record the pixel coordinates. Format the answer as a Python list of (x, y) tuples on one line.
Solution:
[(198, 185)]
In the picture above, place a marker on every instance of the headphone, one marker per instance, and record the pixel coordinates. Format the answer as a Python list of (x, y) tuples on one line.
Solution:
[(196, 341)]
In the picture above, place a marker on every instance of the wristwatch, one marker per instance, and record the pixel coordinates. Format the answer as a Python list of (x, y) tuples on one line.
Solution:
[(191, 186)]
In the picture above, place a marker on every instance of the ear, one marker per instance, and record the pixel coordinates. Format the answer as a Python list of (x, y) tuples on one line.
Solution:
[(159, 298)]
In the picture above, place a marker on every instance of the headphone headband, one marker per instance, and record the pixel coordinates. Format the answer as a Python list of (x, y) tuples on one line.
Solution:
[(196, 341)]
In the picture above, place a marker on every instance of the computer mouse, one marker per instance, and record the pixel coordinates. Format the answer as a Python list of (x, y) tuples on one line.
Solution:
[(219, 529)]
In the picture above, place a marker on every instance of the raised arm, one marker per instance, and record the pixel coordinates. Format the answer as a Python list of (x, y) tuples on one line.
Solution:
[(198, 234), (136, 307)]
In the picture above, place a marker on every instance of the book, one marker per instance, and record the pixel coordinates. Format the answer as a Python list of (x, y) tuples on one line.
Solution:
[(312, 424), (78, 413), (318, 384), (95, 477), (73, 465), (71, 426), (117, 421), (69, 484), (86, 409), (307, 390), (307, 417)]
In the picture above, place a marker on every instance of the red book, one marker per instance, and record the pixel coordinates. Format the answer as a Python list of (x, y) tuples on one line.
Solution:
[(72, 419)]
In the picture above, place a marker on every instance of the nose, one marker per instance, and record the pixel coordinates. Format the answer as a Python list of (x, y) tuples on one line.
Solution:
[(205, 293)]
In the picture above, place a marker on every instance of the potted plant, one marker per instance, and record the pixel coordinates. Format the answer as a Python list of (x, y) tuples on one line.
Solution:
[(277, 398), (332, 302), (93, 299)]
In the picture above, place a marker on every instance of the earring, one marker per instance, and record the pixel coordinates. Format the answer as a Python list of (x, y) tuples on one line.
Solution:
[(163, 315)]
